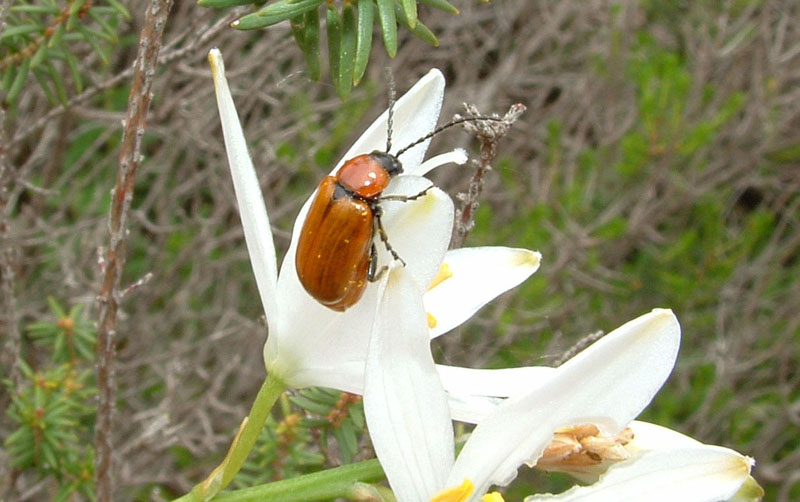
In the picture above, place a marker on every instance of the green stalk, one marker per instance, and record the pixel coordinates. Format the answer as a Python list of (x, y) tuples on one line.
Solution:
[(224, 473), (339, 482)]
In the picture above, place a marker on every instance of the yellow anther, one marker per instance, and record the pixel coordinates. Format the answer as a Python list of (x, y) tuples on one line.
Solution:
[(493, 497), (432, 322), (456, 494), (443, 274)]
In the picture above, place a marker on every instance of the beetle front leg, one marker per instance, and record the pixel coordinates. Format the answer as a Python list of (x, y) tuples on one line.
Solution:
[(405, 198)]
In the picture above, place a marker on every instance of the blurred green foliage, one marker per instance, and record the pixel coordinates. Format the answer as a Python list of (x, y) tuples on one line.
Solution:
[(348, 27), (319, 428), (40, 38), (52, 407)]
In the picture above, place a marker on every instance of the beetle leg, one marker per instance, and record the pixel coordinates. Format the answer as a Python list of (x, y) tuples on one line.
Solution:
[(378, 212), (405, 198), (374, 275)]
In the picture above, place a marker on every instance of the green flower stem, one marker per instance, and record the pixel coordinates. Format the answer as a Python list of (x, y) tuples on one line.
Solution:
[(249, 431), (330, 484), (270, 391)]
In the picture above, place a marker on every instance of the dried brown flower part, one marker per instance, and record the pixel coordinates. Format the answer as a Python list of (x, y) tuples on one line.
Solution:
[(584, 445)]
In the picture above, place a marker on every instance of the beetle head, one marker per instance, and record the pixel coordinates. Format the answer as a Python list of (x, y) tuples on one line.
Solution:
[(389, 162)]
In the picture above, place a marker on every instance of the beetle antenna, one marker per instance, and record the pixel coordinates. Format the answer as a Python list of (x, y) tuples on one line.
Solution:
[(390, 78), (442, 128)]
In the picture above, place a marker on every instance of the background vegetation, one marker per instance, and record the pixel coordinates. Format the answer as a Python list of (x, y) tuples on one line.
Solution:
[(658, 164)]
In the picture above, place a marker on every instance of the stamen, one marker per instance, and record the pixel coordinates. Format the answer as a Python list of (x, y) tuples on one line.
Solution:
[(456, 494), (444, 273), (493, 497), (432, 322)]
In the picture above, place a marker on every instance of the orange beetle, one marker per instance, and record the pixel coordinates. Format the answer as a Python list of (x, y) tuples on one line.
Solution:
[(336, 254)]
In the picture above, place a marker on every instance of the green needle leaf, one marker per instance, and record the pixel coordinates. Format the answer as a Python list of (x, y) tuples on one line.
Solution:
[(288, 7), (37, 58), (216, 4), (121, 9), (36, 9), (61, 91), (74, 70), (297, 24), (76, 6), (275, 13), (333, 25), (443, 5), (366, 14), (347, 50), (388, 23), (410, 10), (419, 30), (23, 29), (311, 40), (19, 81)]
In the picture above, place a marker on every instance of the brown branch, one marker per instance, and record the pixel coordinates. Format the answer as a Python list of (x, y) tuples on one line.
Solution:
[(144, 69), (488, 133), (10, 336), (9, 358), (10, 350)]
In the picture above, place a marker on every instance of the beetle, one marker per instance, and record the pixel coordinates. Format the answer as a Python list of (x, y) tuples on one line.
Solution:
[(336, 255)]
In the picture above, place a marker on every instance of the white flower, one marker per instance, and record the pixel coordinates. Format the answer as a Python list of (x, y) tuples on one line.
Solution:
[(606, 385), (311, 345)]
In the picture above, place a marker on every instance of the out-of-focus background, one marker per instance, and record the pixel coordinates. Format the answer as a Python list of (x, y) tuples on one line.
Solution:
[(657, 165)]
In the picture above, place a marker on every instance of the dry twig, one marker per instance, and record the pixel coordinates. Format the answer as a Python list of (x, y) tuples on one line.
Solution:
[(488, 133), (138, 103)]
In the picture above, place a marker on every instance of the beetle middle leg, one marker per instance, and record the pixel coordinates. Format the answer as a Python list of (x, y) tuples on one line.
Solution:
[(373, 274), (378, 212)]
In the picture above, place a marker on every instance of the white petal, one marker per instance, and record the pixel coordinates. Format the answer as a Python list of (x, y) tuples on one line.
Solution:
[(314, 345), (415, 115), (475, 393), (404, 402), (472, 409), (472, 278), (458, 156), (418, 230), (648, 436), (257, 231), (608, 384), (504, 382), (691, 474)]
